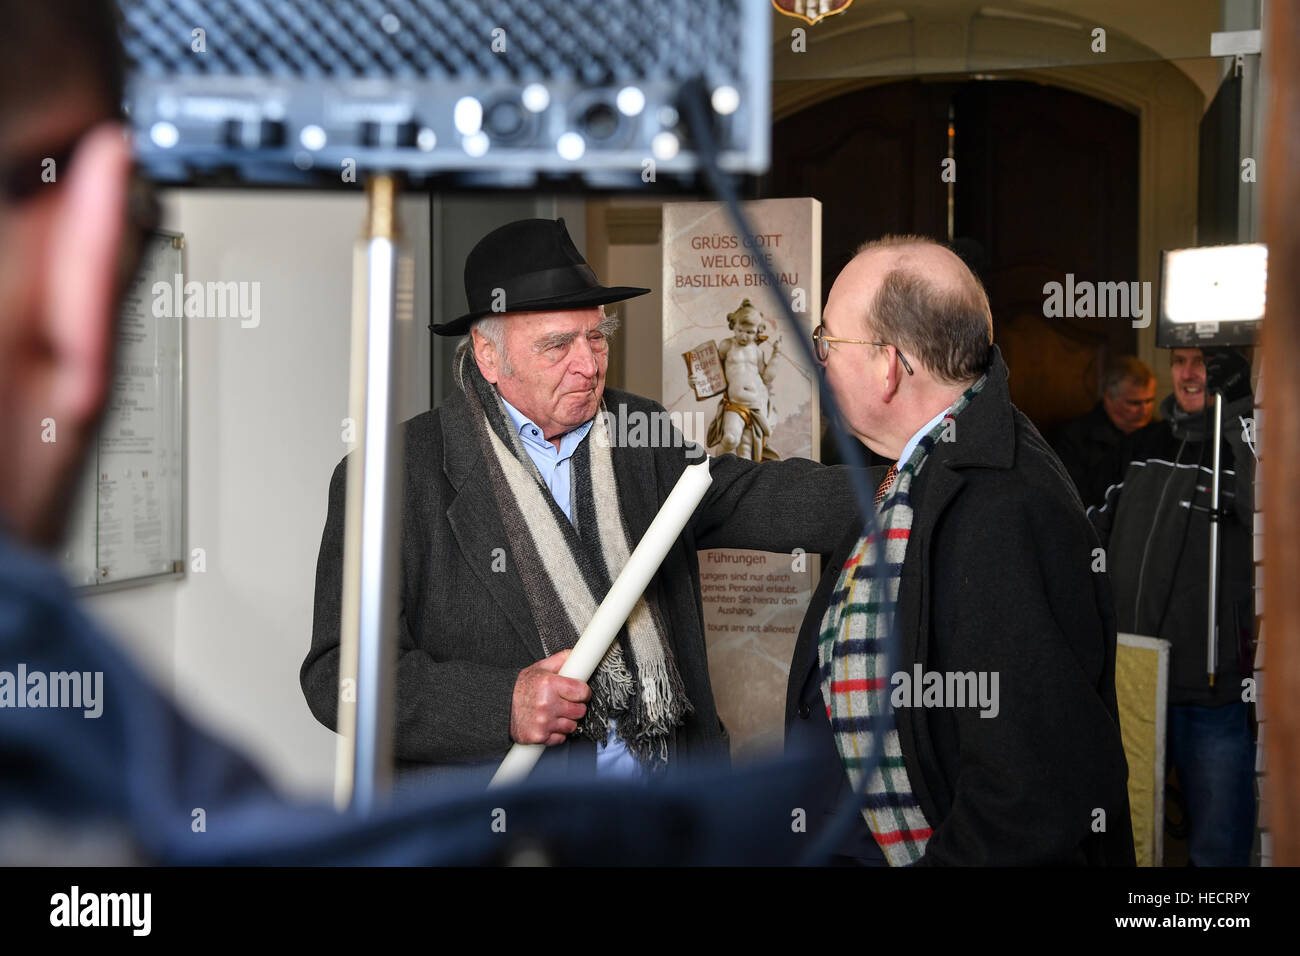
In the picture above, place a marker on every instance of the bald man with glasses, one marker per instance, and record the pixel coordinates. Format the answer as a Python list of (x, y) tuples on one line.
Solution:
[(998, 725)]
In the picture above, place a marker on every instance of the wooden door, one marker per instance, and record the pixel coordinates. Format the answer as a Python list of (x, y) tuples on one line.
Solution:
[(1046, 185)]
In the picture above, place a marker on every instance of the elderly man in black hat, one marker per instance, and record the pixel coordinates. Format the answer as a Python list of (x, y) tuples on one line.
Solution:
[(520, 509)]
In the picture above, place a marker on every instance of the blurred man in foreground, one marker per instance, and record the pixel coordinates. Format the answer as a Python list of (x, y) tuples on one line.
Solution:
[(129, 779)]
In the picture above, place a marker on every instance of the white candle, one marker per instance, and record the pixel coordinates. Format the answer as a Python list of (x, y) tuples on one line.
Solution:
[(622, 597)]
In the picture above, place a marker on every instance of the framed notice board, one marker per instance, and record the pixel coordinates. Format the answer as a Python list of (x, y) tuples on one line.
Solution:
[(128, 520)]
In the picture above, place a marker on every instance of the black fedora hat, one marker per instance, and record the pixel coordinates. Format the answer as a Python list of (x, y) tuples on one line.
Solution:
[(530, 266)]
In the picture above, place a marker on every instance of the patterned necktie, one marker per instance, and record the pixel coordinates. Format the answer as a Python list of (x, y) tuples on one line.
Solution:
[(887, 483)]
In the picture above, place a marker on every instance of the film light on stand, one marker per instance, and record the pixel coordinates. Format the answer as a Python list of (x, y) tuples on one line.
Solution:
[(1212, 296)]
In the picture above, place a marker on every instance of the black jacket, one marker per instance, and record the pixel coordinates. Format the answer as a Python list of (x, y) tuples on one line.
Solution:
[(1155, 523), (1085, 446), (465, 629), (998, 577)]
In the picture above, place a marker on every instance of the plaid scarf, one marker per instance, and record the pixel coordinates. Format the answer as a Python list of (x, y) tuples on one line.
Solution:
[(851, 652), (567, 568)]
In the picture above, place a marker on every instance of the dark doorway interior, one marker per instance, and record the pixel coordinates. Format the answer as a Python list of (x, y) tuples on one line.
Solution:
[(1046, 185)]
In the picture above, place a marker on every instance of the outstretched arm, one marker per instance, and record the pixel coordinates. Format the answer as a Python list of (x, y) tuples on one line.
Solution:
[(770, 506)]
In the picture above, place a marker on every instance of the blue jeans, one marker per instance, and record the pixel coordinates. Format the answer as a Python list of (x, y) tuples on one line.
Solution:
[(1214, 756)]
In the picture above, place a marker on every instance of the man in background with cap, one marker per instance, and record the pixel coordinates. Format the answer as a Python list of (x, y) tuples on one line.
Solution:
[(520, 510)]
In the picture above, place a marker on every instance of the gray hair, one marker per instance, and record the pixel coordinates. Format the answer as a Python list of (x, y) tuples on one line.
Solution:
[(493, 328), (1125, 368)]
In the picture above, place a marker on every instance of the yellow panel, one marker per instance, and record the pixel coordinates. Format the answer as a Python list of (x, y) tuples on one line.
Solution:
[(1136, 681)]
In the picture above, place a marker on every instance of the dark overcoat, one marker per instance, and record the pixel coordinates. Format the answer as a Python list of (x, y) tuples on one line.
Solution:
[(1001, 574)]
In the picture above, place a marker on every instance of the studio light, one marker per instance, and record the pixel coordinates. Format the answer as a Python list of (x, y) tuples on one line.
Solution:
[(1212, 296)]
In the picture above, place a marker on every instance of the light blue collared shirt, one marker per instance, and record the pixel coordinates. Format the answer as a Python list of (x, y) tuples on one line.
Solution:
[(556, 466), (916, 439)]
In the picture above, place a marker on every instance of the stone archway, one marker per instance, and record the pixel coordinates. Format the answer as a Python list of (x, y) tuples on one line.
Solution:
[(974, 39)]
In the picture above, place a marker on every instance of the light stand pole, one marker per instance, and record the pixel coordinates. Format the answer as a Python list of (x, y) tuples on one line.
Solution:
[(1212, 627), (381, 318)]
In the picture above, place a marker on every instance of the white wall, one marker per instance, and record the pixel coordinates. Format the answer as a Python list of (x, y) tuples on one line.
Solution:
[(264, 407)]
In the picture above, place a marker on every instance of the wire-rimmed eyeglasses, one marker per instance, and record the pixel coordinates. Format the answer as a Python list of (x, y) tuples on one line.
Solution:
[(822, 348)]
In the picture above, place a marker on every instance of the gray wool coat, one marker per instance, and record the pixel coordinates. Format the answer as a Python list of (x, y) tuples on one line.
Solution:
[(465, 632)]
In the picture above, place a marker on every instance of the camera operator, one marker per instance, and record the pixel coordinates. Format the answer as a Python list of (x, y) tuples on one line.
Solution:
[(1155, 522)]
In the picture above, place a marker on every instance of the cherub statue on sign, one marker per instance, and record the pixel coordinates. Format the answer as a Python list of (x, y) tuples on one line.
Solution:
[(740, 425)]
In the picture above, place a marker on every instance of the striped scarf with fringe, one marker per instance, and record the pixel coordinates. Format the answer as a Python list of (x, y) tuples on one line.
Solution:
[(567, 567), (851, 652)]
